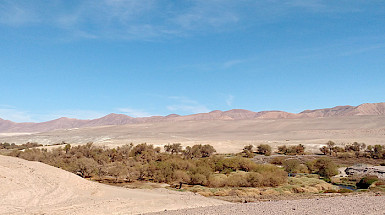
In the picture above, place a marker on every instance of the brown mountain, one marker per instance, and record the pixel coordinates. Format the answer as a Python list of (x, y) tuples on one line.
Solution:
[(111, 119), (363, 109), (235, 114)]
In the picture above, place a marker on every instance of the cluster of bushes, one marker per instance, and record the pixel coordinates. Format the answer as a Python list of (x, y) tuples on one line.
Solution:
[(194, 165), (18, 147), (262, 149), (265, 149), (292, 150), (354, 150), (324, 167)]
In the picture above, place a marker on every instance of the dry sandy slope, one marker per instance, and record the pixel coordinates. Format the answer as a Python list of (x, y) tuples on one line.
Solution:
[(35, 188), (358, 205), (225, 135)]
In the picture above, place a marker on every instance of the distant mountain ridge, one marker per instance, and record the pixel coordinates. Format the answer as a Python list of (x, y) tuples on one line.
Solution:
[(234, 114)]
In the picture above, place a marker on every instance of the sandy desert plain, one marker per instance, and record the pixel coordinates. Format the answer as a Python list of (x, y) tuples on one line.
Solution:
[(28, 187), (227, 136)]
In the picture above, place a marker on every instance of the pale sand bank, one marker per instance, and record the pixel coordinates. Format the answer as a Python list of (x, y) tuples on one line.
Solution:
[(35, 188)]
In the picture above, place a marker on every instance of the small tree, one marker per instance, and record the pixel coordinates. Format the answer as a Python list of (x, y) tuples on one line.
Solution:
[(291, 165), (337, 149), (175, 148), (330, 145), (207, 150), (199, 151), (248, 151), (67, 148), (326, 167), (282, 149), (187, 152), (264, 149), (85, 166), (324, 150), (117, 170)]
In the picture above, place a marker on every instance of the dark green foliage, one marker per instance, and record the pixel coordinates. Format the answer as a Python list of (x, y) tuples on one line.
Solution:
[(365, 182), (324, 167)]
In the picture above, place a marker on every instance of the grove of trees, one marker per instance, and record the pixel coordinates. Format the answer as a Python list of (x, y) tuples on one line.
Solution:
[(354, 150), (196, 165)]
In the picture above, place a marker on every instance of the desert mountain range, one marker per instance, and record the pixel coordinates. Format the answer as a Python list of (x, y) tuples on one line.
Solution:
[(369, 109)]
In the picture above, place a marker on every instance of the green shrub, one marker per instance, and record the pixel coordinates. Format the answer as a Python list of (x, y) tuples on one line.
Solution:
[(255, 179), (365, 182), (217, 180), (198, 179), (237, 180), (277, 160), (291, 165), (325, 167)]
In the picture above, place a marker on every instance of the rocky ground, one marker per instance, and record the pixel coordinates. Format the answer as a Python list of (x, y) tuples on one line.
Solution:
[(368, 205)]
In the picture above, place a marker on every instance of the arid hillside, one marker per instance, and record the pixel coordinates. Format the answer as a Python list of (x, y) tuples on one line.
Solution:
[(369, 109)]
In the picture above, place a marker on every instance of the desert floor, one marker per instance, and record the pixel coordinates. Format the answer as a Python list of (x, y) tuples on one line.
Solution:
[(358, 205), (227, 136)]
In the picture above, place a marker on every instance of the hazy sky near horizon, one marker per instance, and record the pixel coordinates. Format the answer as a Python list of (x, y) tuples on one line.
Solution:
[(85, 59)]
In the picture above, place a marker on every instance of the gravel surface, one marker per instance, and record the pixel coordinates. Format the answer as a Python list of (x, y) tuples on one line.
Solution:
[(368, 205)]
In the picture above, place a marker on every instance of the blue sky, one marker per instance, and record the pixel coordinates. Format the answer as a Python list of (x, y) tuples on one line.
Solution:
[(85, 59)]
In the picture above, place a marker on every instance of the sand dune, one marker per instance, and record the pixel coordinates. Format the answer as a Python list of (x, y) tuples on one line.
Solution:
[(35, 188)]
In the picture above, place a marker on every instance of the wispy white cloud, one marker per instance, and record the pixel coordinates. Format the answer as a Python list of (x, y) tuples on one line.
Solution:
[(183, 99), (232, 63), (13, 13), (307, 4), (362, 49), (230, 100), (186, 105), (10, 113), (203, 13), (189, 108), (134, 112), (150, 19), (17, 115)]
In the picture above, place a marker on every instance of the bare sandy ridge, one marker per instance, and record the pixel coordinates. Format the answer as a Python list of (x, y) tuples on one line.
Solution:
[(35, 188), (352, 205)]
